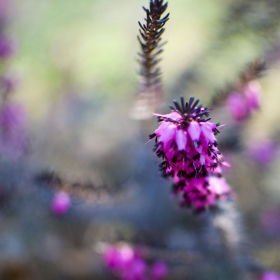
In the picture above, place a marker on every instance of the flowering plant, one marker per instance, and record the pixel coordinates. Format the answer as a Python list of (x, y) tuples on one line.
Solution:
[(186, 141)]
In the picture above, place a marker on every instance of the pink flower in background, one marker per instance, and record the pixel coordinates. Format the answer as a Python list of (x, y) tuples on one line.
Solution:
[(270, 275), (13, 125), (238, 107), (127, 264), (264, 151), (241, 104), (253, 92), (135, 270), (186, 142), (118, 258), (61, 203)]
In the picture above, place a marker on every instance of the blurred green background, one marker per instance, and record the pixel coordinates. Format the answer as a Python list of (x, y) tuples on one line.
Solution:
[(90, 47), (84, 52)]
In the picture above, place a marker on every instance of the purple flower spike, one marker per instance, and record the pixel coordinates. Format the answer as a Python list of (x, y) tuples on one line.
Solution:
[(61, 203), (270, 275), (186, 142)]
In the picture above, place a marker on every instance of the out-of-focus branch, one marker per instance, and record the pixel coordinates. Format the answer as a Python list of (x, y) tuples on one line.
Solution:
[(251, 72), (150, 90)]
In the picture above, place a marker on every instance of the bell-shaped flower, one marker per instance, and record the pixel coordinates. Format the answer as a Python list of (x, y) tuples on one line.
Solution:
[(181, 139)]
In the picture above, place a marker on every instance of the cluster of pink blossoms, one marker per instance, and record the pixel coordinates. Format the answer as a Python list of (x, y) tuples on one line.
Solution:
[(186, 142), (241, 104), (128, 264)]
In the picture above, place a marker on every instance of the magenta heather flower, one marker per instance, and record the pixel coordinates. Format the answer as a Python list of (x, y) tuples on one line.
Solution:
[(61, 203), (270, 275), (241, 104), (202, 193), (186, 142)]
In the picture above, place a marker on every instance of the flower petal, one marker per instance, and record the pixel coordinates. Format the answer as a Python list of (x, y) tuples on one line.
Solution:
[(194, 130), (181, 139), (207, 131), (168, 133)]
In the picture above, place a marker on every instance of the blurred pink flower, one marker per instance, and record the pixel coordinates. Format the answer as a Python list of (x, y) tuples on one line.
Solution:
[(237, 105), (127, 264), (124, 262), (13, 125), (253, 94), (241, 104), (270, 275), (159, 270), (135, 270), (263, 152), (61, 203), (118, 258)]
